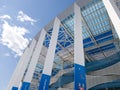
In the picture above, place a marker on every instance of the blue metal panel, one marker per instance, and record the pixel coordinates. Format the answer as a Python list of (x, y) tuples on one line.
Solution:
[(98, 64), (25, 86), (58, 48), (79, 77), (107, 45), (50, 31), (93, 51), (89, 45), (104, 39), (86, 40), (103, 48), (44, 82), (14, 88), (67, 44), (103, 35), (55, 71)]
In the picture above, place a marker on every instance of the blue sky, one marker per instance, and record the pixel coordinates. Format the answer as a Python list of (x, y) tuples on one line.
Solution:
[(20, 20)]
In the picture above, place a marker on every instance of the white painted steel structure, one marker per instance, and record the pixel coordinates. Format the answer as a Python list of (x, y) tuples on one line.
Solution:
[(82, 42)]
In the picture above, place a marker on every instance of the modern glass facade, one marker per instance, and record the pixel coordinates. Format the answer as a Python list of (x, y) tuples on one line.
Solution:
[(52, 63)]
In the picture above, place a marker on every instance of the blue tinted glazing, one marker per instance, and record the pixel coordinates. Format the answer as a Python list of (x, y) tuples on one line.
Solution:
[(64, 38), (96, 21), (46, 41), (96, 17)]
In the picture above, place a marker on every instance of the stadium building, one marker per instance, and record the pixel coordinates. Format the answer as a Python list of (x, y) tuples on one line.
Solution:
[(78, 50)]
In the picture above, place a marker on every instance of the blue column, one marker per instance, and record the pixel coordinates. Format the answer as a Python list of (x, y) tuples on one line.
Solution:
[(14, 88), (25, 86), (45, 79), (79, 77), (79, 60), (44, 83)]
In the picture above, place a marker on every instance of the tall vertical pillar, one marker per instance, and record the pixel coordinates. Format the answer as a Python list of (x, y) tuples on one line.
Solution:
[(79, 60), (29, 74), (21, 67), (45, 79), (114, 14)]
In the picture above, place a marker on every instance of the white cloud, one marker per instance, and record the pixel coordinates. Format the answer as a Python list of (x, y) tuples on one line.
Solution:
[(7, 54), (5, 17), (23, 17), (13, 38)]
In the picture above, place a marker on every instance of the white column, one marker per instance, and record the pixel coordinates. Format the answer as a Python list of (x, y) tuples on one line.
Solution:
[(27, 60), (45, 79), (34, 60), (20, 69), (113, 13), (79, 60)]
